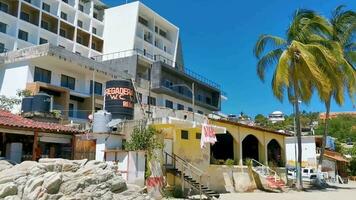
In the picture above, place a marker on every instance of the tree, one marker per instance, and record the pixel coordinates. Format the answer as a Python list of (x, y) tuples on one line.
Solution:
[(343, 74), (261, 120), (8, 103), (297, 71)]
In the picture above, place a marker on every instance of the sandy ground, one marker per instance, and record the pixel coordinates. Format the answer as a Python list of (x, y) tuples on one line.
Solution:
[(337, 192)]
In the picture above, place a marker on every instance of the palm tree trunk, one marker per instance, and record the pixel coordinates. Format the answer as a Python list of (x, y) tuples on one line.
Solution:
[(325, 134), (299, 144)]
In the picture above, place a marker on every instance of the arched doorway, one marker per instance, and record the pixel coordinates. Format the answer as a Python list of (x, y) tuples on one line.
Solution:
[(274, 153), (223, 149), (250, 148)]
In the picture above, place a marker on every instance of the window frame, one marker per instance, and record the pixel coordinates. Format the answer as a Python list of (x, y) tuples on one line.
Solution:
[(20, 33), (42, 75), (169, 104), (68, 82), (97, 87), (184, 135), (3, 26)]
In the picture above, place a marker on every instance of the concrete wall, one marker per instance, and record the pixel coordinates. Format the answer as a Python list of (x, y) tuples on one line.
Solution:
[(120, 27), (14, 77), (308, 151)]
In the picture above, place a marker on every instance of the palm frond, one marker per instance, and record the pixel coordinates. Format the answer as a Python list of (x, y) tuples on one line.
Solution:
[(264, 40), (270, 59)]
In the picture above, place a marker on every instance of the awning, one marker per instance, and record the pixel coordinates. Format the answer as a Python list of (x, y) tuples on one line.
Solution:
[(335, 156)]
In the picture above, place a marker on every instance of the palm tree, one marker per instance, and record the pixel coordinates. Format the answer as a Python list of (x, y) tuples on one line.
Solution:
[(296, 65), (343, 47)]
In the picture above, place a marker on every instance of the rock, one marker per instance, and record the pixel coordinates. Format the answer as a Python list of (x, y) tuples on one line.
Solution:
[(71, 186), (117, 184), (4, 165), (60, 179), (7, 189), (14, 197), (32, 184), (53, 183)]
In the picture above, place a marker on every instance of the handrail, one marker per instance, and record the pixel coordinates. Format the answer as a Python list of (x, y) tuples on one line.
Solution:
[(190, 168), (275, 174)]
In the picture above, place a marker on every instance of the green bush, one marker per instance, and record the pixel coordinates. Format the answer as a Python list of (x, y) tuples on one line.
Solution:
[(177, 192)]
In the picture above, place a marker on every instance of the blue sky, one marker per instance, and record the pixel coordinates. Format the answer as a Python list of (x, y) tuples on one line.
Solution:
[(218, 39)]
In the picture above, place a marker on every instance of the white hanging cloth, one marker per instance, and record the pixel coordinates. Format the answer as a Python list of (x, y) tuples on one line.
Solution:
[(207, 135)]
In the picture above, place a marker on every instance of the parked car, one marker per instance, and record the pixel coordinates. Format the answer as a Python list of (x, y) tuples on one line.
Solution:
[(308, 174)]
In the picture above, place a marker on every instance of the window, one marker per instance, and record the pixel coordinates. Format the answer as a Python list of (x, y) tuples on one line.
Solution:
[(3, 27), (4, 7), (94, 30), (68, 82), (45, 25), (65, 1), (169, 104), (156, 29), (180, 107), (142, 21), (43, 41), (28, 1), (46, 7), (2, 48), (198, 136), (81, 7), (63, 33), (95, 15), (25, 16), (79, 39), (208, 100), (63, 15), (139, 98), (164, 48), (80, 24), (23, 35), (162, 33), (201, 112), (93, 45), (190, 109), (98, 88), (151, 101), (71, 110), (184, 134), (78, 53), (42, 75)]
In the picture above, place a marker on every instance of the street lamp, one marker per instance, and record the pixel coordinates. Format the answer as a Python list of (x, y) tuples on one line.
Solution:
[(191, 89)]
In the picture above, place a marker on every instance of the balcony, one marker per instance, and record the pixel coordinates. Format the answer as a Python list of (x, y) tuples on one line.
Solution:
[(9, 7)]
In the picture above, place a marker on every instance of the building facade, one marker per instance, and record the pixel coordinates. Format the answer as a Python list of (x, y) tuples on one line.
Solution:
[(135, 43), (75, 25)]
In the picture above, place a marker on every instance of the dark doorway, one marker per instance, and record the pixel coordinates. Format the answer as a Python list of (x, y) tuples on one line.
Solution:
[(223, 149), (250, 148), (274, 153)]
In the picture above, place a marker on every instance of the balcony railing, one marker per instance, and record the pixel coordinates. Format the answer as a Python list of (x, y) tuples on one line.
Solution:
[(157, 58)]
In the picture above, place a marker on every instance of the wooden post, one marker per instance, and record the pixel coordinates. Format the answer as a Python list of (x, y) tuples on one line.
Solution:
[(74, 143), (35, 145)]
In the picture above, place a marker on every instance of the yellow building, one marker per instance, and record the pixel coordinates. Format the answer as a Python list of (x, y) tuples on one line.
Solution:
[(235, 141)]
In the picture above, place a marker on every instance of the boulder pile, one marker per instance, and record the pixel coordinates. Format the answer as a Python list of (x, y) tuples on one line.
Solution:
[(60, 179)]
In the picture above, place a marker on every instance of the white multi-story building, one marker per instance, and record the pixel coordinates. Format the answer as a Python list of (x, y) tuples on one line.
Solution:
[(135, 26), (76, 25), (276, 116), (133, 42)]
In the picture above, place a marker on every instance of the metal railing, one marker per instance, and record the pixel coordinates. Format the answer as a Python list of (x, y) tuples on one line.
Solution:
[(264, 170), (188, 169), (157, 58)]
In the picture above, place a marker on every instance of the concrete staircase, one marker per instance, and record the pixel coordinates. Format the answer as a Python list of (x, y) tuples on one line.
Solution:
[(268, 179), (190, 174)]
